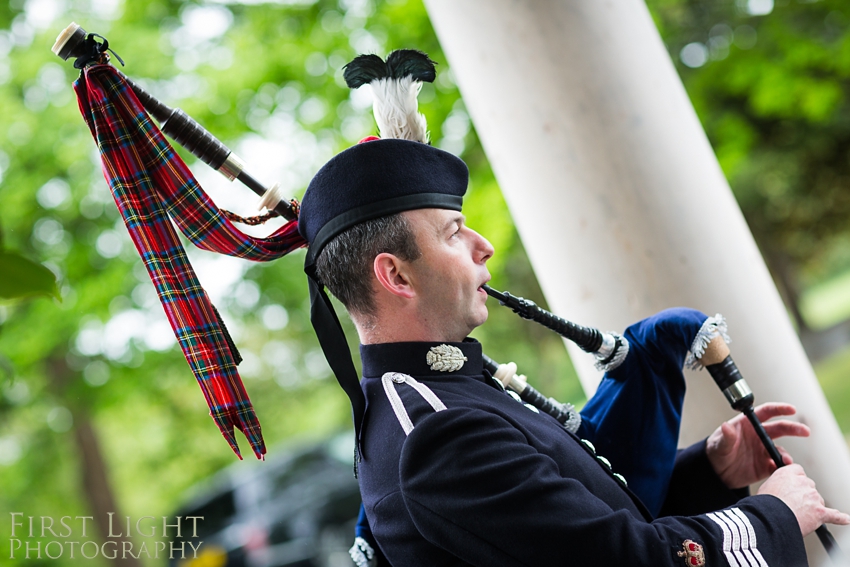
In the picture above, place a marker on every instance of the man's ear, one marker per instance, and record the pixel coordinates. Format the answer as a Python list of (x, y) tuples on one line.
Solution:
[(391, 275)]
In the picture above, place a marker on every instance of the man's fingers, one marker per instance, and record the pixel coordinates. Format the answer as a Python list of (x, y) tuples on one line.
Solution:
[(774, 409), (787, 459), (786, 456), (785, 428), (727, 437), (792, 470), (833, 516)]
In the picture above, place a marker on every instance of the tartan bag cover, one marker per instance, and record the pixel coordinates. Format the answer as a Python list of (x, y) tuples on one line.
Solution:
[(149, 183)]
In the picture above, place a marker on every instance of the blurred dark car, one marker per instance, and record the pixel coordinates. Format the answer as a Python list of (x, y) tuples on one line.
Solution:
[(297, 509)]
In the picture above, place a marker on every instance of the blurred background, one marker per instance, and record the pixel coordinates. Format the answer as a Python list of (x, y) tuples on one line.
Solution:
[(99, 410)]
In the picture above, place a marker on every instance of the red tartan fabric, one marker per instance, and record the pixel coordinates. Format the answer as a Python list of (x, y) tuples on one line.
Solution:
[(149, 183)]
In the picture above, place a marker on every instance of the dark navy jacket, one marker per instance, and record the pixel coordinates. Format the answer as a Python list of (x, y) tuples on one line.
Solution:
[(487, 481)]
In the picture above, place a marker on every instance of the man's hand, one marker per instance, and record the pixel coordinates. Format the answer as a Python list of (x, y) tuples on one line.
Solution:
[(738, 455), (791, 485)]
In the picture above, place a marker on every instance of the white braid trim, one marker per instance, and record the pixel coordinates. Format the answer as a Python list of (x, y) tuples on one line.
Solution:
[(390, 379), (739, 538), (711, 328)]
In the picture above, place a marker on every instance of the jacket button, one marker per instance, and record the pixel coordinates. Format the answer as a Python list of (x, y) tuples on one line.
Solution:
[(589, 445)]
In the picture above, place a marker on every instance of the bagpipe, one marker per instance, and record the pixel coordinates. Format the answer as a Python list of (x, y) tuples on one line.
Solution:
[(643, 370)]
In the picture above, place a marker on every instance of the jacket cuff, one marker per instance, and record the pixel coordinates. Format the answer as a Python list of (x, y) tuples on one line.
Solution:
[(775, 531)]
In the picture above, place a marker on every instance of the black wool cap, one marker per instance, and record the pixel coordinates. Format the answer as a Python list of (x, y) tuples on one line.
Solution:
[(374, 179)]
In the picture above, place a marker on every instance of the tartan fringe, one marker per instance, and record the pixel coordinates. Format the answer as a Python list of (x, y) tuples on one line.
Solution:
[(151, 183)]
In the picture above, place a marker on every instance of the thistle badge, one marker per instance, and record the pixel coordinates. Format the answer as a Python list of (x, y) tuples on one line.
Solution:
[(445, 358), (692, 554)]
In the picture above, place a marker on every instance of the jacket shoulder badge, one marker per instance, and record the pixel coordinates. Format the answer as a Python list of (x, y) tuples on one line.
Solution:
[(692, 554), (445, 358)]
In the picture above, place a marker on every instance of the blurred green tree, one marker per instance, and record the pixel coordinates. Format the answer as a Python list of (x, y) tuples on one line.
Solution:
[(769, 80), (23, 277)]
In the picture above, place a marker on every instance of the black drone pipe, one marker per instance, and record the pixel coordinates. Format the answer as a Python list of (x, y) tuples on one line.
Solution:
[(529, 395), (75, 42), (588, 338), (604, 345), (729, 379)]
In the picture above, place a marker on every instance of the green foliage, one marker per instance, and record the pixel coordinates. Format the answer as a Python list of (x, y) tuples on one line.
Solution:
[(832, 375), (773, 94), (826, 303), (23, 277)]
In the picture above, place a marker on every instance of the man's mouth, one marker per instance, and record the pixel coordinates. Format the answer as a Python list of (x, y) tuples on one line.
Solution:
[(481, 287)]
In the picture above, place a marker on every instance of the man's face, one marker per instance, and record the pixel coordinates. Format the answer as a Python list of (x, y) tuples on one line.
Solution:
[(448, 276)]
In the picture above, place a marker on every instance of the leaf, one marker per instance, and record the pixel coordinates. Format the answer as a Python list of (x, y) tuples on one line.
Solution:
[(20, 277)]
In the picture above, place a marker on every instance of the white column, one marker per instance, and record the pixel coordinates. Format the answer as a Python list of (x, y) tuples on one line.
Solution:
[(619, 199)]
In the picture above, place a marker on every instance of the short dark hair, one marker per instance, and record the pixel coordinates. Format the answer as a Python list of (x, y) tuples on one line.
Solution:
[(344, 265)]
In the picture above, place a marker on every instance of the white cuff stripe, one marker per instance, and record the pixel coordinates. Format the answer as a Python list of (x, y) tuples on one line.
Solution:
[(752, 536), (389, 379), (745, 537), (727, 540), (736, 540), (743, 549), (739, 538)]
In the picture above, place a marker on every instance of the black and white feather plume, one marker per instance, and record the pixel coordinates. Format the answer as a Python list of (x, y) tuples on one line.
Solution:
[(395, 84)]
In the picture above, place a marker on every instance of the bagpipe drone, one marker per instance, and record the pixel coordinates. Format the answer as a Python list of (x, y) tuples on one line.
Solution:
[(152, 187)]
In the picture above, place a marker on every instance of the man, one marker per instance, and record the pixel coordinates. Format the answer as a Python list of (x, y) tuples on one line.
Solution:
[(453, 471)]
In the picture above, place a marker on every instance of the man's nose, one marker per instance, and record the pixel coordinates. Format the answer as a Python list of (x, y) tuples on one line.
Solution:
[(483, 249)]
